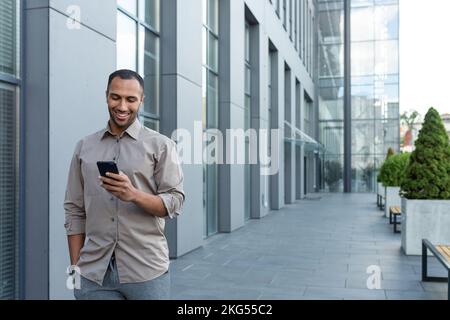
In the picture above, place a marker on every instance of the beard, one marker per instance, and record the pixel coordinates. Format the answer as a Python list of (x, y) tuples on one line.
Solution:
[(122, 124)]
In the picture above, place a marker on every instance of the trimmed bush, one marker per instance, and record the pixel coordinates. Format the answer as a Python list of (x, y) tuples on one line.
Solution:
[(390, 153), (392, 172), (428, 172)]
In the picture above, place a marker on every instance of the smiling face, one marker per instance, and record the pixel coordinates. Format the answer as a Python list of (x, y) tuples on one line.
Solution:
[(124, 99)]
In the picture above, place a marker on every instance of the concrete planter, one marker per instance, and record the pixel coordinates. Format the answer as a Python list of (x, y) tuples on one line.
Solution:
[(392, 198), (424, 219), (380, 189)]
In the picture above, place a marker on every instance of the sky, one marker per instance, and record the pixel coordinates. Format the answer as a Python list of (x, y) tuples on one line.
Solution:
[(424, 55)]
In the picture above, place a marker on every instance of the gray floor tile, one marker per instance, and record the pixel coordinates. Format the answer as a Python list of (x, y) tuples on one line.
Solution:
[(309, 250)]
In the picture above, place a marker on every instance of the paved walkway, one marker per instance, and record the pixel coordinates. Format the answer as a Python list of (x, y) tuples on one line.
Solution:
[(315, 249)]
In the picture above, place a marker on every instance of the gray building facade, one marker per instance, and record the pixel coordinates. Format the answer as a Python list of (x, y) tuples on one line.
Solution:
[(358, 90)]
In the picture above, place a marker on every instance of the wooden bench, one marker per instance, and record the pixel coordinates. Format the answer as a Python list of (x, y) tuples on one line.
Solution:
[(395, 213), (442, 254)]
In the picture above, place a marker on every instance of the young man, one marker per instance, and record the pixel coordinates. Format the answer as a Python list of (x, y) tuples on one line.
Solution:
[(115, 224)]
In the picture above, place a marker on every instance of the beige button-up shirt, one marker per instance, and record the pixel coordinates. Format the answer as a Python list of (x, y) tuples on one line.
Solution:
[(136, 237)]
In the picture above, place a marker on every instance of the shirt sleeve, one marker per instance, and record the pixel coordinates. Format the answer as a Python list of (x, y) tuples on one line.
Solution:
[(169, 179), (75, 221)]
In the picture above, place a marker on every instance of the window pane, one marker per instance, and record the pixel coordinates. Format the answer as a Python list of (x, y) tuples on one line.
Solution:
[(126, 42), (213, 56), (151, 124), (363, 58), (204, 101), (149, 69), (211, 199), (248, 79), (8, 193), (128, 5), (204, 45), (149, 12), (332, 60), (213, 14), (386, 57), (362, 24), (363, 174), (363, 102), (212, 100), (386, 22), (8, 37)]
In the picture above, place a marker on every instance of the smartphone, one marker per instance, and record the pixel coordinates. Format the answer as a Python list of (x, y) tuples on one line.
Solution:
[(107, 166)]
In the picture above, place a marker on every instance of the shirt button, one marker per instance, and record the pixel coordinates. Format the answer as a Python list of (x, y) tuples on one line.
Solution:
[(112, 219), (112, 198)]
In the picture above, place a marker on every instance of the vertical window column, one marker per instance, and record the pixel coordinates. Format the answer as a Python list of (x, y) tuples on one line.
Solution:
[(138, 27), (210, 107)]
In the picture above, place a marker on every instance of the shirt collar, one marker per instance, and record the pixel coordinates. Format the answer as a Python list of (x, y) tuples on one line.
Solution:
[(133, 130)]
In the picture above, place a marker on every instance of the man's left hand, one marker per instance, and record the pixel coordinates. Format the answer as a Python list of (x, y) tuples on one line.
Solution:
[(120, 186)]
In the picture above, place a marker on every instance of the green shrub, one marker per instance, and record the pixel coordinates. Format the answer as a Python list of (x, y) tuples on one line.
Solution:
[(392, 172), (390, 153), (428, 172)]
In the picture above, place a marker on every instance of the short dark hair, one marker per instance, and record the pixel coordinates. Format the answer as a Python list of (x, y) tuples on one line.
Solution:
[(125, 74)]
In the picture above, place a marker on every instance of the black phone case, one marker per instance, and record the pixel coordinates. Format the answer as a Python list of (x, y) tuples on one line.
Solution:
[(107, 166)]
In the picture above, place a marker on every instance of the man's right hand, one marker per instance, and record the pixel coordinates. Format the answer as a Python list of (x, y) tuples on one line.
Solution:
[(76, 243)]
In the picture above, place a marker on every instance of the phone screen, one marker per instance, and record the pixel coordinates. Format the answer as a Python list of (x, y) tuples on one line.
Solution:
[(107, 166)]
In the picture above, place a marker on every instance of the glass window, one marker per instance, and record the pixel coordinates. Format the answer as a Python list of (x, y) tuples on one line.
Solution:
[(149, 13), (362, 24), (210, 105), (149, 68), (126, 42), (386, 20), (9, 35), (213, 15), (363, 58), (138, 49), (128, 5), (331, 60)]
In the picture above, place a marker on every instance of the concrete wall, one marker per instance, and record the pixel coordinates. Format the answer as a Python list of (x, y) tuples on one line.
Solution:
[(66, 77), (80, 61), (181, 106)]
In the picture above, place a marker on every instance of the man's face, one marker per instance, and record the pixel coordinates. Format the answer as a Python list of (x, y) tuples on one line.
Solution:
[(124, 100)]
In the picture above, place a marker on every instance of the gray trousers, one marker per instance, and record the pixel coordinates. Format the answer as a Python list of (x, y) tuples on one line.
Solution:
[(112, 289)]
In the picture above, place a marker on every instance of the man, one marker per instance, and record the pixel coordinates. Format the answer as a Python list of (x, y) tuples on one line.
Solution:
[(115, 224)]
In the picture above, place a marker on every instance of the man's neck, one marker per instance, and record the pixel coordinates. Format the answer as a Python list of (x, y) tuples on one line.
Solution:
[(115, 130)]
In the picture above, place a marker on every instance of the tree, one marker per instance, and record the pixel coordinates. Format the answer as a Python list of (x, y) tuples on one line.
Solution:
[(390, 153), (428, 172), (410, 119)]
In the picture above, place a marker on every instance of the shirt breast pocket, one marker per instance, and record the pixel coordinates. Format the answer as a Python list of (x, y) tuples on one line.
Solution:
[(140, 169)]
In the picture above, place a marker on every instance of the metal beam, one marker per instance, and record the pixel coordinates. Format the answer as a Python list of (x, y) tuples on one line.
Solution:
[(347, 100)]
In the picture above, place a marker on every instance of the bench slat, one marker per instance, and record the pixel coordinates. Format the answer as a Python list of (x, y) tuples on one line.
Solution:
[(395, 210)]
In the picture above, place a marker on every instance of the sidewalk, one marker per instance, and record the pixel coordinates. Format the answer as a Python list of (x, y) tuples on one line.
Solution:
[(315, 249)]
